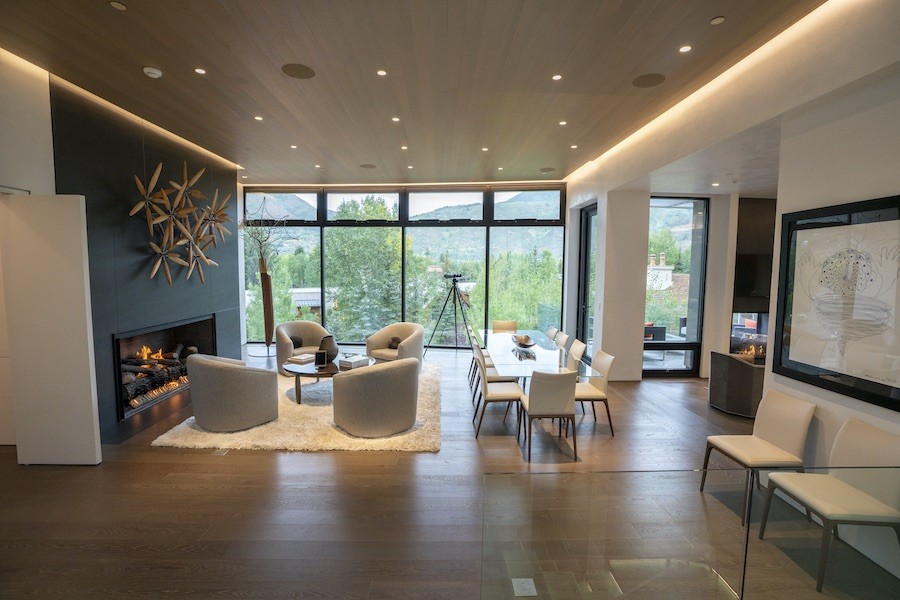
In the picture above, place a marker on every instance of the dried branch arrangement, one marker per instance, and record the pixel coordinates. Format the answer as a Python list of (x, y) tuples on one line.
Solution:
[(180, 232)]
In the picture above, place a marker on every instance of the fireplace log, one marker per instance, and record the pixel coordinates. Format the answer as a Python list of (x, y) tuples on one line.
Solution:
[(176, 353), (138, 369)]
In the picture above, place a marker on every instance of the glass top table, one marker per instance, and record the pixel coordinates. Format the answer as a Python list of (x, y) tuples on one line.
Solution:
[(513, 360)]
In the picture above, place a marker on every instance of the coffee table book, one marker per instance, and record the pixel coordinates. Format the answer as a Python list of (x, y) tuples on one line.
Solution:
[(301, 359)]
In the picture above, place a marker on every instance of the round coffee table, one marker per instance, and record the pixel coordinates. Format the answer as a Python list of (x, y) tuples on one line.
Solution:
[(311, 370)]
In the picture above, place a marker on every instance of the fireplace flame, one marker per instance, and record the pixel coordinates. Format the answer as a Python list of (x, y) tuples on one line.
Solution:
[(145, 352), (753, 350)]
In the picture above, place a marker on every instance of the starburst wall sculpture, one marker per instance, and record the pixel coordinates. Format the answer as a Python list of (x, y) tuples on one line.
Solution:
[(180, 232)]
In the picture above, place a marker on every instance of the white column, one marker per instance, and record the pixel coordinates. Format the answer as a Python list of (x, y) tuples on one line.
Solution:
[(49, 329)]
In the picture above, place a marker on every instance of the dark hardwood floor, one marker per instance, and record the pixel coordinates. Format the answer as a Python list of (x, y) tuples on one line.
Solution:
[(155, 522)]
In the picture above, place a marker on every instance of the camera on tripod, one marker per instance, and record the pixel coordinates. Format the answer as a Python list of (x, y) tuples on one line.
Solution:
[(452, 275)]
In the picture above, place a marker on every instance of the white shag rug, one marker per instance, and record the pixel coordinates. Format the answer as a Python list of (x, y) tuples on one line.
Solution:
[(310, 426)]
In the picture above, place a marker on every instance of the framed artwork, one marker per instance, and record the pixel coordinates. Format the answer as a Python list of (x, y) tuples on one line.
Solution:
[(836, 323)]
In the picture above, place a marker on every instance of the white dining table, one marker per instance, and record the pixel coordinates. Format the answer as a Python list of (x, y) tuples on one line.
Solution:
[(513, 360)]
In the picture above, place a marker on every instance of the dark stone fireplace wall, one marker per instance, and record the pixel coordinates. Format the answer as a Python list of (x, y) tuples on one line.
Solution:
[(96, 152)]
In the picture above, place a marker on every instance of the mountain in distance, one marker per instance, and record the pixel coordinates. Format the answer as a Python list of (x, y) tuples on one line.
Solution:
[(529, 204)]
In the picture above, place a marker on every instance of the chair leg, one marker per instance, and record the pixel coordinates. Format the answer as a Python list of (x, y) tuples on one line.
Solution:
[(528, 436), (583, 411), (827, 528), (574, 443), (483, 410), (508, 404), (709, 448), (748, 489), (608, 416), (770, 492), (477, 404), (594, 410)]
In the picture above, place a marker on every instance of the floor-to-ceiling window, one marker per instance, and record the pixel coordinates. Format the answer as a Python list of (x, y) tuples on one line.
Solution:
[(676, 261), (361, 259)]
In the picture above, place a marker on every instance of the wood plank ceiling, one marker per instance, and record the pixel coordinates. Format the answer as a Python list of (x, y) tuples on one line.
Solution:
[(462, 75)]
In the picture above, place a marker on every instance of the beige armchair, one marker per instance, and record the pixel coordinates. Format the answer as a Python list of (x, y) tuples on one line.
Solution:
[(309, 332), (227, 395), (412, 342), (377, 401)]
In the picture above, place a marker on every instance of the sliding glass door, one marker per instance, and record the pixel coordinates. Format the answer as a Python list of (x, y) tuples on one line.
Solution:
[(587, 279)]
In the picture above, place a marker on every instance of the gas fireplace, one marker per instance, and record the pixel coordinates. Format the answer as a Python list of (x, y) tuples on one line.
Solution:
[(748, 335), (150, 364)]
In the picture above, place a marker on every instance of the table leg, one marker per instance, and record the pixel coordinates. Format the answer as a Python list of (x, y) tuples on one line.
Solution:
[(297, 388)]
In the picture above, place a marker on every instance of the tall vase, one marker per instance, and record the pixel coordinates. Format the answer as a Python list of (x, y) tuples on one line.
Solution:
[(265, 282), (330, 347)]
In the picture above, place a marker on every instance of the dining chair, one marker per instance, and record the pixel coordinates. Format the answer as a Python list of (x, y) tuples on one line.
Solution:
[(847, 496), (777, 442), (494, 389), (562, 338), (550, 396), (594, 390), (504, 326), (551, 332), (573, 356)]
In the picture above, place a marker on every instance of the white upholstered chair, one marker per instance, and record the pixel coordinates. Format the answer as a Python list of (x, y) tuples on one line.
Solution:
[(561, 339), (594, 390), (847, 496), (227, 395), (493, 388), (573, 356), (411, 342), (308, 333), (377, 401), (504, 326), (550, 395), (551, 332), (779, 436)]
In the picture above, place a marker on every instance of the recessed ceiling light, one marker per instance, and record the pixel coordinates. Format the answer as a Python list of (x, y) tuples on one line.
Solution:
[(684, 49), (556, 77), (562, 122), (573, 146), (366, 166), (717, 20), (381, 72), (395, 119), (404, 147), (293, 146), (318, 166), (484, 149), (499, 168), (243, 177), (152, 72), (649, 80), (409, 166), (715, 185), (200, 71), (258, 118), (298, 71), (118, 5)]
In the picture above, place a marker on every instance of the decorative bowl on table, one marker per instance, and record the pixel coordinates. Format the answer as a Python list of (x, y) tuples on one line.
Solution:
[(523, 341)]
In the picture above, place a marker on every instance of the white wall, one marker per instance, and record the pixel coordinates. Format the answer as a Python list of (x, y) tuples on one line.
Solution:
[(622, 240), (26, 165), (44, 241), (842, 149), (721, 245)]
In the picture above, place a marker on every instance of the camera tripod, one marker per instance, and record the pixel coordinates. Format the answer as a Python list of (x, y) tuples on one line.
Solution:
[(456, 296)]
